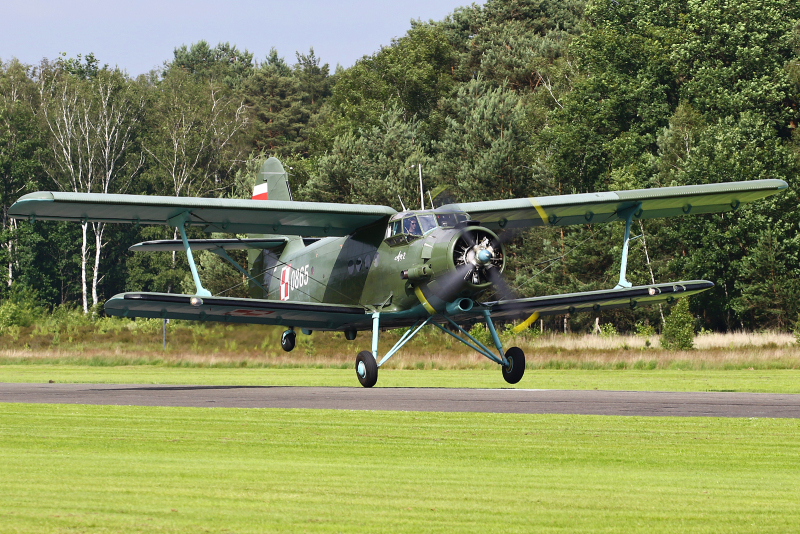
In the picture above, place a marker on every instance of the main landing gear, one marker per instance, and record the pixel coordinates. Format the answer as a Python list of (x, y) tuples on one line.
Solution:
[(512, 362), (366, 369)]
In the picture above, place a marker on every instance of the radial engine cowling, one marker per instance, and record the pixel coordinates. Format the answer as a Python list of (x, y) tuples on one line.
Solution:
[(474, 252)]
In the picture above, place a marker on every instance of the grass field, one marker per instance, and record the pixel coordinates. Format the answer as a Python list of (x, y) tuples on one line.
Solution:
[(75, 468), (136, 469)]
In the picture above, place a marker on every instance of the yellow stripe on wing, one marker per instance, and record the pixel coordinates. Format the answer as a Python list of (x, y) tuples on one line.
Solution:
[(540, 210), (424, 301), (526, 323)]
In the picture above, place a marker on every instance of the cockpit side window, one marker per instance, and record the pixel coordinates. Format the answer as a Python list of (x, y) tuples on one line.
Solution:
[(411, 226), (446, 220), (426, 223)]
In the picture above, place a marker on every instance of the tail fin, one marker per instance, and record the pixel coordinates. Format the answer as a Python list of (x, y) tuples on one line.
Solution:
[(272, 182)]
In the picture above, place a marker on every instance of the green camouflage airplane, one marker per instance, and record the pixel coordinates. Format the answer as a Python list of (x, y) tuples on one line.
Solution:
[(351, 268)]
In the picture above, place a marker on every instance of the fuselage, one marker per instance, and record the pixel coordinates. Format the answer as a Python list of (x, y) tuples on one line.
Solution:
[(380, 266)]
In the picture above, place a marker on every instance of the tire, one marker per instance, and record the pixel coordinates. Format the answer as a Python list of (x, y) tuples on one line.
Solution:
[(366, 364), (288, 340), (516, 365)]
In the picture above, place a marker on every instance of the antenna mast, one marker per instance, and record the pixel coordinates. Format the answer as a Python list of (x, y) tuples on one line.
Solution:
[(401, 203), (421, 194)]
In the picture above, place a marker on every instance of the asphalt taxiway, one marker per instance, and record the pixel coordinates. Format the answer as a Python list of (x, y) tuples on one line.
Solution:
[(528, 401)]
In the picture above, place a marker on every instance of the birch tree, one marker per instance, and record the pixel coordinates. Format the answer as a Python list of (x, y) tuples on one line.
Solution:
[(195, 142), (19, 146), (92, 116)]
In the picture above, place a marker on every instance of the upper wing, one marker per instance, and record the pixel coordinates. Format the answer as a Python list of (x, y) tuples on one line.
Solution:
[(236, 310), (215, 214), (588, 208)]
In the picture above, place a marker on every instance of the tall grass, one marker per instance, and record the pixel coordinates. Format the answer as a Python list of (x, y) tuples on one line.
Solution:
[(69, 337)]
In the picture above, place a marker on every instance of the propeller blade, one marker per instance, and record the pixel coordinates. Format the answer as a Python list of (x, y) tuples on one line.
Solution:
[(448, 286), (503, 290)]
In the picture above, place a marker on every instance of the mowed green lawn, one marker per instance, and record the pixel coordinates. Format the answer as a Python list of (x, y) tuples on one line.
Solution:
[(759, 380), (74, 468)]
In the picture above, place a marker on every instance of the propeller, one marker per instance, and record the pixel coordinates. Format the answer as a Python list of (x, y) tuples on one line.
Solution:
[(478, 255)]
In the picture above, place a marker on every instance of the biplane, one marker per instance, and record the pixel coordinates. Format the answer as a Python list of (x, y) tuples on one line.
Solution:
[(363, 268)]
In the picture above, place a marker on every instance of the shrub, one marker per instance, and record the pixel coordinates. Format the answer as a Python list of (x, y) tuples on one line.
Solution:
[(608, 330), (797, 330), (645, 330), (678, 331), (20, 308), (480, 332)]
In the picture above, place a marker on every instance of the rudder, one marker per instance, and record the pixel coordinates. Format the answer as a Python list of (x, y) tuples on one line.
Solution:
[(272, 182)]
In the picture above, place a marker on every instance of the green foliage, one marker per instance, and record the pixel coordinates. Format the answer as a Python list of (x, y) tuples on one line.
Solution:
[(511, 98), (20, 308), (645, 330), (478, 153), (796, 330), (284, 102), (410, 76), (480, 332), (374, 167), (607, 330), (678, 331), (224, 62)]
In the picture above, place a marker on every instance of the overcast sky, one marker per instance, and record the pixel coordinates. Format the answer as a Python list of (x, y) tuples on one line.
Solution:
[(140, 35)]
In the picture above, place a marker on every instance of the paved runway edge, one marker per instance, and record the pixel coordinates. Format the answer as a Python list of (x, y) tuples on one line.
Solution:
[(522, 401)]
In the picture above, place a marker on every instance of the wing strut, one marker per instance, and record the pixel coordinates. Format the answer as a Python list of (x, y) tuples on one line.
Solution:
[(626, 214), (179, 221), (219, 251)]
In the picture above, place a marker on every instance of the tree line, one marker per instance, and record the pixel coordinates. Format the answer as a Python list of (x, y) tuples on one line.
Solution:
[(513, 98)]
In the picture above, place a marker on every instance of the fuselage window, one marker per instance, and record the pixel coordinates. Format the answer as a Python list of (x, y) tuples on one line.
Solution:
[(427, 223), (446, 220)]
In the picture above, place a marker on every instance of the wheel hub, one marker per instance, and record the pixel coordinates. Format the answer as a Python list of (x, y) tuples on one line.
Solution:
[(361, 370)]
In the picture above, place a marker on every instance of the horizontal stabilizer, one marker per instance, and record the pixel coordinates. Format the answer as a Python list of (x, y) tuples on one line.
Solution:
[(169, 245), (595, 301), (238, 310)]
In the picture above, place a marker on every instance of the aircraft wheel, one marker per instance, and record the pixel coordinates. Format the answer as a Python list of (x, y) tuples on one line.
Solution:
[(287, 340), (516, 365), (366, 369)]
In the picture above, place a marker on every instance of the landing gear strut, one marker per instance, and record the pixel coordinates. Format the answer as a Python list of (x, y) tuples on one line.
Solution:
[(512, 362), (287, 340)]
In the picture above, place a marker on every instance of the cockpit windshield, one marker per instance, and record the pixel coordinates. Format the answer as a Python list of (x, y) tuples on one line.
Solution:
[(409, 225)]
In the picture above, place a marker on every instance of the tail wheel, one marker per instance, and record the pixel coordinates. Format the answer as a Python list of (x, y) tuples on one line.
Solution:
[(366, 369), (288, 340), (516, 365)]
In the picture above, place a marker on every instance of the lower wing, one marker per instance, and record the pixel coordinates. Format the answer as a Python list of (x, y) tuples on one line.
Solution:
[(238, 310), (594, 301)]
